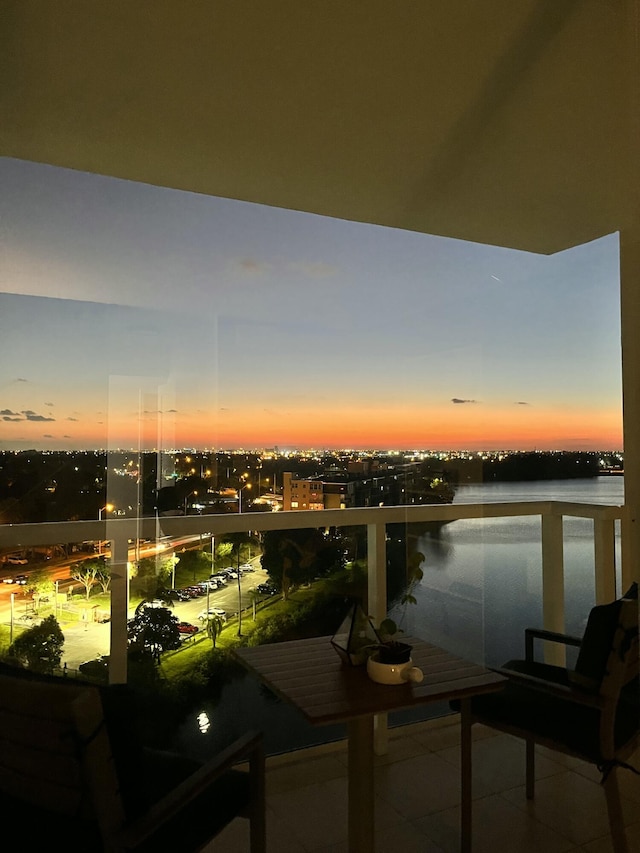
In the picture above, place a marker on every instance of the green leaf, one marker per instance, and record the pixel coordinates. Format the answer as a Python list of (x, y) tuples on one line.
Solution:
[(388, 627)]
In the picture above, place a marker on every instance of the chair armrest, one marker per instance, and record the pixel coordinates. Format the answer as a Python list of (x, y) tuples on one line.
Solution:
[(249, 746), (552, 688), (541, 634)]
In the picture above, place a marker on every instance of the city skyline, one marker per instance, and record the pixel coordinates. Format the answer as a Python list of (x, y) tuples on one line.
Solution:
[(138, 316)]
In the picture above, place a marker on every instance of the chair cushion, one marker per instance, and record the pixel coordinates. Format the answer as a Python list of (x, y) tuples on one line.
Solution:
[(595, 647)]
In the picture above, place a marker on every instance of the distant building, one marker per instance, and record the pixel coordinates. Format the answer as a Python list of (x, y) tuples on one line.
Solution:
[(365, 485)]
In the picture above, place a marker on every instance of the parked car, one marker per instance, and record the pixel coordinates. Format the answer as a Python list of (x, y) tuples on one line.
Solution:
[(157, 602), (213, 611), (231, 573), (192, 591), (246, 568), (187, 628), (16, 561), (266, 589), (180, 594)]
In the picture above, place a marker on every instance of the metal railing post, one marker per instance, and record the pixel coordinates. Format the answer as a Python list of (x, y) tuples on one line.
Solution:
[(604, 551), (553, 584), (377, 609), (119, 607), (377, 571)]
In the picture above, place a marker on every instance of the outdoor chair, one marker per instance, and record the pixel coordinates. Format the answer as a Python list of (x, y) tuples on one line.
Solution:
[(591, 712), (69, 770)]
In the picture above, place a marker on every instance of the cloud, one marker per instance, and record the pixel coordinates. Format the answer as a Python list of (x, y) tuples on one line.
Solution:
[(20, 379), (7, 412), (47, 435), (32, 416), (250, 266), (14, 420), (315, 270), (48, 404), (75, 420), (172, 411), (459, 400), (66, 436), (522, 403)]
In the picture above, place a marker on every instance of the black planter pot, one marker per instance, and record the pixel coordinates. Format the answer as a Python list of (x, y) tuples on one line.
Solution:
[(394, 652)]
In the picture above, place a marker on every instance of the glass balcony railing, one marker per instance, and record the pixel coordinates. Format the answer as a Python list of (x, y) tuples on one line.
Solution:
[(540, 571)]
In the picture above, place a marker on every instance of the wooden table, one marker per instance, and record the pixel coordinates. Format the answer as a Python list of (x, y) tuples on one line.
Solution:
[(309, 675)]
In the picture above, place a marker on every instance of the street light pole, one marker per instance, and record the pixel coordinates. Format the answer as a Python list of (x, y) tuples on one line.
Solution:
[(246, 486), (187, 498), (108, 508)]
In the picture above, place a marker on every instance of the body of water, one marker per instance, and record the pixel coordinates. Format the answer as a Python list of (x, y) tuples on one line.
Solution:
[(482, 587), (482, 580)]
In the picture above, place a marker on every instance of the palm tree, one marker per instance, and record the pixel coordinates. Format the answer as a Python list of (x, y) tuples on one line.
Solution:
[(215, 624), (254, 597)]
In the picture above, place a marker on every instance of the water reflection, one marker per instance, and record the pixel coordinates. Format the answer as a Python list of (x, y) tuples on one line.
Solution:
[(204, 723), (482, 581)]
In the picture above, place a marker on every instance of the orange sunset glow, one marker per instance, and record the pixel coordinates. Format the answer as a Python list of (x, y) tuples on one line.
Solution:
[(199, 322)]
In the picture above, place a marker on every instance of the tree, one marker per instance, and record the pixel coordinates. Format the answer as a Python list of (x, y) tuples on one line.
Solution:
[(150, 575), (292, 557), (154, 630), (104, 577), (196, 563), (39, 648), (86, 572), (224, 550), (215, 624), (40, 584)]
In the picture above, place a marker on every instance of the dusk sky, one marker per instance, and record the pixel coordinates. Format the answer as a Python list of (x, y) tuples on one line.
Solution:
[(136, 315)]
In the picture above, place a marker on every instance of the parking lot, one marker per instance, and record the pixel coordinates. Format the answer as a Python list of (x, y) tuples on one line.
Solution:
[(86, 640)]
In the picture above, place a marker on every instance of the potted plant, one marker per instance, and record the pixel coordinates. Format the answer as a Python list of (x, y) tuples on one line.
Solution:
[(390, 649), (389, 659)]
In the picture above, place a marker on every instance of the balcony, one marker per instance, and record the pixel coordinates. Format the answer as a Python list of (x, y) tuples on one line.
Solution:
[(417, 785), (606, 578)]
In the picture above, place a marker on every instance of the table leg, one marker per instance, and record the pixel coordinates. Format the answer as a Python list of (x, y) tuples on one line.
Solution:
[(465, 776), (361, 786)]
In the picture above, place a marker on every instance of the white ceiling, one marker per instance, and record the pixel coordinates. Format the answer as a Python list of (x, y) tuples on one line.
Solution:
[(499, 121)]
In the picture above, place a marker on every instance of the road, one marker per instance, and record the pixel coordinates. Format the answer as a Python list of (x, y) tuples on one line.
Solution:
[(60, 569)]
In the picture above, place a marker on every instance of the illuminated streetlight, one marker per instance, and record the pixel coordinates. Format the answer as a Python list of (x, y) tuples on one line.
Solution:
[(246, 486), (108, 508), (186, 499)]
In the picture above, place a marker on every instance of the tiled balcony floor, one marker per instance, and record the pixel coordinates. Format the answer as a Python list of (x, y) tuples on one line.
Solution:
[(418, 794)]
